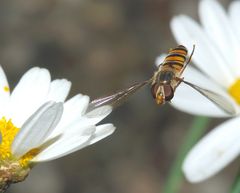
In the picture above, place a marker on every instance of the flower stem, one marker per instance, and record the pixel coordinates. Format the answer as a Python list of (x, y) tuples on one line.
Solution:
[(236, 184), (175, 176)]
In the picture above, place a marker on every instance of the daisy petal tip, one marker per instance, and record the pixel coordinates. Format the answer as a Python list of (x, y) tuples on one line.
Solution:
[(190, 175), (109, 128), (159, 60), (177, 21), (86, 97), (179, 17), (84, 102), (194, 173), (103, 131), (100, 111), (174, 20), (38, 69), (68, 83)]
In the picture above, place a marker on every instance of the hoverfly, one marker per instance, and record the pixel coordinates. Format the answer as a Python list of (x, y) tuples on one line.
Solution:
[(164, 82)]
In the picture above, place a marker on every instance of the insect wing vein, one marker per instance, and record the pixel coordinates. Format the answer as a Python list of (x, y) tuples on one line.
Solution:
[(117, 98)]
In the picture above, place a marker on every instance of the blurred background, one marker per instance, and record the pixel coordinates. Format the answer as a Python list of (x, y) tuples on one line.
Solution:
[(103, 46)]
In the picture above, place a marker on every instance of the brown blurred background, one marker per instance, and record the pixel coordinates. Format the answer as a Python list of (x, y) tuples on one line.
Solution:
[(103, 46)]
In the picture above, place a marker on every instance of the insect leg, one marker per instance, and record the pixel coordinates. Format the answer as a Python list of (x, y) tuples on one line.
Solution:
[(188, 61), (179, 81)]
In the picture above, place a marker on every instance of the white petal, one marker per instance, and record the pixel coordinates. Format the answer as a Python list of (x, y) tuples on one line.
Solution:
[(4, 92), (102, 131), (234, 16), (29, 94), (219, 29), (95, 116), (76, 105), (36, 129), (206, 56), (74, 109), (77, 137), (99, 113), (215, 151), (191, 101), (77, 121), (59, 90), (67, 144)]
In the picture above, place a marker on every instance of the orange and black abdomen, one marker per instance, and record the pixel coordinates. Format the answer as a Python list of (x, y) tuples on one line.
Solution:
[(176, 58)]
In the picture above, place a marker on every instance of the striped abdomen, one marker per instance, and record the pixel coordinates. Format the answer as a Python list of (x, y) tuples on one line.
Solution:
[(176, 58)]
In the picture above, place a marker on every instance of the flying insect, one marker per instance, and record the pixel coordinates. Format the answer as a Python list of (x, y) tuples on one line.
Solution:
[(164, 83)]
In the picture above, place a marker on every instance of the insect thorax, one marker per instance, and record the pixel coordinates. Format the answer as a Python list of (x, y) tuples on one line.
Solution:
[(165, 77)]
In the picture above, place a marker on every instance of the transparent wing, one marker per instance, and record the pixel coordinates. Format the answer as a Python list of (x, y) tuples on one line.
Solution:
[(117, 98), (217, 99)]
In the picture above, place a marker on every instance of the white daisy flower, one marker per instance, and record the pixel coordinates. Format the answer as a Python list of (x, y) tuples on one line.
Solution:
[(216, 57), (218, 69), (36, 124)]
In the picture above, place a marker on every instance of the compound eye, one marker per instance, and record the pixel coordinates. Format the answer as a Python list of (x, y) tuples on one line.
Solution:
[(154, 89), (168, 92)]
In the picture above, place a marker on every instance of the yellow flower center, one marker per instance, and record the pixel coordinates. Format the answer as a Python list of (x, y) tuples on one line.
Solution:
[(234, 91), (6, 89), (8, 132)]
